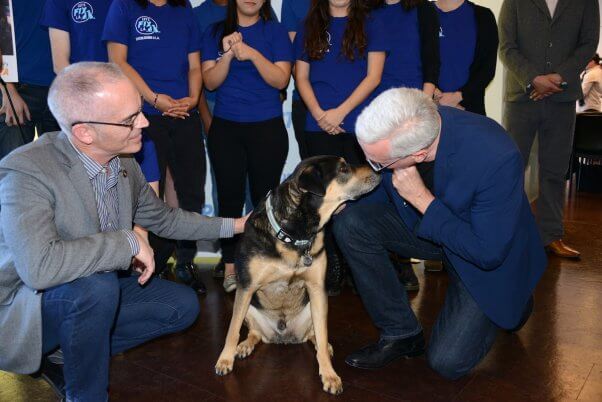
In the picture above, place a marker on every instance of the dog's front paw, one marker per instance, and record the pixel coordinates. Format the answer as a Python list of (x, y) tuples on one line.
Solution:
[(224, 366), (332, 383), (244, 349)]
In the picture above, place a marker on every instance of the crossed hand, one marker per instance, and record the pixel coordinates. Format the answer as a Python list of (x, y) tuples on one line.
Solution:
[(177, 108), (234, 44)]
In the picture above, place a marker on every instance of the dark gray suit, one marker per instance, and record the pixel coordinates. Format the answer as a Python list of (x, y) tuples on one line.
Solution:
[(533, 43), (50, 235)]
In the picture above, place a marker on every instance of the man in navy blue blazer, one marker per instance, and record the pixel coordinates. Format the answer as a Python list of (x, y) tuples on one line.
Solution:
[(469, 210)]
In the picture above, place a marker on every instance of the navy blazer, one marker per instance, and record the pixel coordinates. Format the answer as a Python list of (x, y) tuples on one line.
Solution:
[(480, 216)]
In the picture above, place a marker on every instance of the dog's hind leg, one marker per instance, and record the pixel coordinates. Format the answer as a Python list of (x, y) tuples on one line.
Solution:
[(242, 300), (246, 347)]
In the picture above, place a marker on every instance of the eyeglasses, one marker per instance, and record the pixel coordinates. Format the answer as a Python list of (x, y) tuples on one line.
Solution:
[(377, 166), (131, 125)]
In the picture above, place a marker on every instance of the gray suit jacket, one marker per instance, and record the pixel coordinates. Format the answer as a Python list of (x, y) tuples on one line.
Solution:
[(533, 43), (50, 235)]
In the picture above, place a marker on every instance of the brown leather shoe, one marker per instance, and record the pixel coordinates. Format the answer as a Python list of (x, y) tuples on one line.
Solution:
[(557, 247)]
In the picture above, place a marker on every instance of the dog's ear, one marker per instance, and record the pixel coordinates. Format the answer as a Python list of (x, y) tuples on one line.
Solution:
[(310, 181)]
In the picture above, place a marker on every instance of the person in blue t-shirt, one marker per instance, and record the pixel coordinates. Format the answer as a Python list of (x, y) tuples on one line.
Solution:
[(336, 71), (157, 45), (247, 60), (340, 51), (75, 31), (468, 41), (293, 13), (207, 14), (412, 27), (34, 66)]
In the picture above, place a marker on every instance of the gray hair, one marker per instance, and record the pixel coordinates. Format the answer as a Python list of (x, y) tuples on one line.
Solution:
[(407, 116), (73, 93)]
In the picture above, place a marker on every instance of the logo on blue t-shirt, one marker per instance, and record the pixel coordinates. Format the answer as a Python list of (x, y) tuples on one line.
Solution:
[(146, 26), (441, 35), (82, 12)]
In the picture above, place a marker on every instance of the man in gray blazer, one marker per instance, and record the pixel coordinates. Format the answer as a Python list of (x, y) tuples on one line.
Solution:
[(545, 44), (67, 203)]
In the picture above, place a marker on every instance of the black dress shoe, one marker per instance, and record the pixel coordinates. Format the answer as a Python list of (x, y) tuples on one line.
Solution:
[(187, 274), (385, 351), (53, 374)]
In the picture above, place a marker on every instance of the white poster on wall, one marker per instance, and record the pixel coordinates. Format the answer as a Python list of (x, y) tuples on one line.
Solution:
[(7, 42)]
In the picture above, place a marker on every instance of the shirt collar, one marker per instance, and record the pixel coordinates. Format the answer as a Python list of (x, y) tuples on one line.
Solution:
[(93, 168)]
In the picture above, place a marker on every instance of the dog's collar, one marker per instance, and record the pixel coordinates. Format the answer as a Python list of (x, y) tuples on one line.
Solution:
[(280, 233)]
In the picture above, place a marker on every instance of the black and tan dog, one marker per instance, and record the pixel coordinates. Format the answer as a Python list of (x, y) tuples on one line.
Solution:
[(281, 263)]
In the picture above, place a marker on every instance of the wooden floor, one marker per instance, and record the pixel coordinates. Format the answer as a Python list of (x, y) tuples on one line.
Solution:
[(557, 355)]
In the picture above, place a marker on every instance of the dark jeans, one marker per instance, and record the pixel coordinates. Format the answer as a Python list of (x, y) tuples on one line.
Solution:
[(41, 118), (104, 314), (236, 150), (180, 146), (462, 334), (299, 113)]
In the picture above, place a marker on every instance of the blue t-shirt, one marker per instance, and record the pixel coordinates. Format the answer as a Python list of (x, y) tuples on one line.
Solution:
[(147, 159), (84, 20), (457, 42), (244, 96), (334, 77), (208, 13), (33, 45), (293, 12), (403, 67), (159, 40)]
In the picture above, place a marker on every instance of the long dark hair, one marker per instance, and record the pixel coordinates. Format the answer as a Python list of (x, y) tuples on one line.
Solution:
[(316, 26), (407, 4), (173, 3), (230, 24)]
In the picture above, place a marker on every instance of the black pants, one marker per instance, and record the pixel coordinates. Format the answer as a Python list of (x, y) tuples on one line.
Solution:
[(299, 113), (41, 119), (180, 146), (257, 149), (344, 145)]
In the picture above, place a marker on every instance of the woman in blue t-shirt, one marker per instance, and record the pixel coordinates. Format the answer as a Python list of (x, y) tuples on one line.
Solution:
[(157, 45), (468, 39), (340, 51), (247, 60), (412, 27)]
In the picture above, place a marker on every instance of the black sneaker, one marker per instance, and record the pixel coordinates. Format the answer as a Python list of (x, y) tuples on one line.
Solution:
[(188, 275), (53, 374), (383, 352)]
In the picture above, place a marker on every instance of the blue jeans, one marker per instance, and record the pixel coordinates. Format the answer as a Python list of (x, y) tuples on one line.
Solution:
[(104, 314), (35, 97), (462, 334)]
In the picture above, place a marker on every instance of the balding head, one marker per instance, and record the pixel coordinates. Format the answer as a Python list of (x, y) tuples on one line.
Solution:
[(76, 93)]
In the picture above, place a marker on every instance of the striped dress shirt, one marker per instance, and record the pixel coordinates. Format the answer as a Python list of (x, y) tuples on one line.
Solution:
[(104, 182)]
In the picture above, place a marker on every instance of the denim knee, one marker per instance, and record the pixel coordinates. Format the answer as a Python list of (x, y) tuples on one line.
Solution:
[(350, 221), (448, 364), (98, 295), (188, 308)]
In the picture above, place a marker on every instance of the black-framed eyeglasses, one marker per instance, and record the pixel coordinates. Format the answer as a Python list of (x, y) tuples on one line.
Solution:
[(130, 125), (377, 166)]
